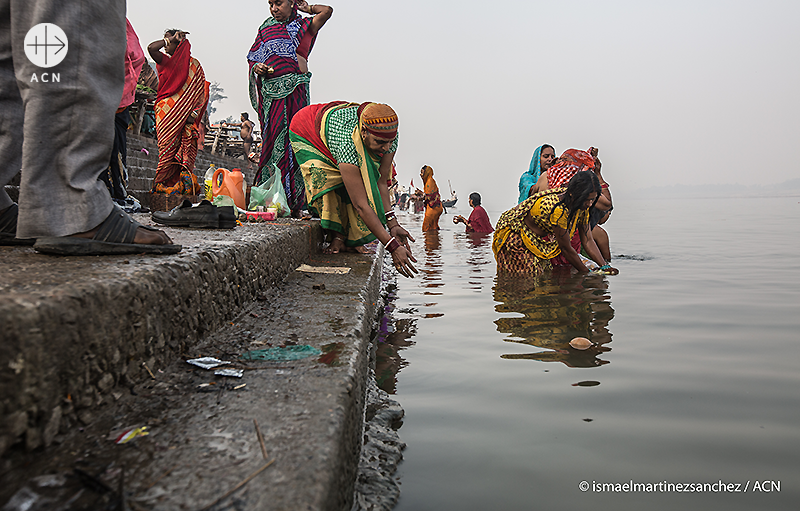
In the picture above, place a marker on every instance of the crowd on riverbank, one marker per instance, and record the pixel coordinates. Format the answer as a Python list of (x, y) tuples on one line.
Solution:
[(335, 160)]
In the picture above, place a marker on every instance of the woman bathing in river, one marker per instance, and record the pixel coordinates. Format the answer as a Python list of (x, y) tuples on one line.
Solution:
[(531, 236), (478, 221), (345, 152)]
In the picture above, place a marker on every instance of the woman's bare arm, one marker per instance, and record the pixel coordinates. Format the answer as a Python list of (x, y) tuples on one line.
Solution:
[(321, 13), (563, 238)]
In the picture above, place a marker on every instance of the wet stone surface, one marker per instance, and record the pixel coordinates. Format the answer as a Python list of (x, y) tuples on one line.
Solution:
[(60, 450)]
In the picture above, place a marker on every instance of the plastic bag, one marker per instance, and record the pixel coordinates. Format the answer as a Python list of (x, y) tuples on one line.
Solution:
[(270, 194)]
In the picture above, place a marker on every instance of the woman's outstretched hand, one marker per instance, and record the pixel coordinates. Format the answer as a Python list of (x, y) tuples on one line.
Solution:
[(401, 258), (402, 236)]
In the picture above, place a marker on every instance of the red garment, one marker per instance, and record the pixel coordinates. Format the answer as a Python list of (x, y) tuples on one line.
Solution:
[(479, 221), (134, 59), (568, 164), (173, 71), (561, 259), (308, 124)]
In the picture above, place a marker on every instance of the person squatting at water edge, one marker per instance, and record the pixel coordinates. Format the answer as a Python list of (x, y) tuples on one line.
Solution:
[(180, 104), (535, 235), (543, 158), (59, 134), (279, 87), (568, 164), (432, 200), (478, 221), (345, 152)]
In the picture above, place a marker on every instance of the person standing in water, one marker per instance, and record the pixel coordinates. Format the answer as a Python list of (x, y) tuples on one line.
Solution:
[(433, 201), (478, 221)]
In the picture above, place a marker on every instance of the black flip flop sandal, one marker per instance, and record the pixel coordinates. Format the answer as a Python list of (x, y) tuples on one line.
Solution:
[(8, 228), (114, 237)]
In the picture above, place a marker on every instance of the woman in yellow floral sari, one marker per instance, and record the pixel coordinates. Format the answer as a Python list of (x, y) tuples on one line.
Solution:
[(180, 105), (540, 228), (345, 152)]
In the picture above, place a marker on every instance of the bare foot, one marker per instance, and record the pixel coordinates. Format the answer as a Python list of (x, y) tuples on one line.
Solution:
[(336, 246)]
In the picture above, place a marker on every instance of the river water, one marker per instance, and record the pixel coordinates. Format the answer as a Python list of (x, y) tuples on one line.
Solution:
[(694, 380)]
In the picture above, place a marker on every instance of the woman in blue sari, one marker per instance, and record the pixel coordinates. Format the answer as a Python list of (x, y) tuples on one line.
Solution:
[(543, 158)]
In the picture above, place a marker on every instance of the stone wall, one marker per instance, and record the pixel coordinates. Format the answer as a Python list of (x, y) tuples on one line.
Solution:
[(69, 349), (142, 167)]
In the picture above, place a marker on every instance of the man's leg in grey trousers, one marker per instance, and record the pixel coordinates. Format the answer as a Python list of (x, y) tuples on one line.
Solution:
[(69, 123), (11, 108)]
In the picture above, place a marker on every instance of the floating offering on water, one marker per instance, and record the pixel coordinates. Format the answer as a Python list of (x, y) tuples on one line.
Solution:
[(580, 343)]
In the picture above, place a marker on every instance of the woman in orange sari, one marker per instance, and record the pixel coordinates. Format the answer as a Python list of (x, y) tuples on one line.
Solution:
[(180, 105), (433, 201)]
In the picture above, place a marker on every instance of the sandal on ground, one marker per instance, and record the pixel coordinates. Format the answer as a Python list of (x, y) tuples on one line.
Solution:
[(113, 237), (8, 228)]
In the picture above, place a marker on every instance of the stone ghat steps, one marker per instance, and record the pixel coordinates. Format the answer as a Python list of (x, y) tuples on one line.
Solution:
[(142, 167), (93, 345)]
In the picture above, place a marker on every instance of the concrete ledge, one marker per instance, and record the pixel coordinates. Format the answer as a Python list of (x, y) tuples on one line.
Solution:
[(76, 328), (79, 329)]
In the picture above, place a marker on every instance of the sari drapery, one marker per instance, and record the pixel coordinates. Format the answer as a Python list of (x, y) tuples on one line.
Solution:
[(433, 201), (179, 111), (479, 221), (279, 96), (568, 164), (529, 178), (517, 248), (314, 131)]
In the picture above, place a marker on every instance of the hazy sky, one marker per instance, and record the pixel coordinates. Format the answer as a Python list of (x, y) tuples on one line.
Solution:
[(678, 92)]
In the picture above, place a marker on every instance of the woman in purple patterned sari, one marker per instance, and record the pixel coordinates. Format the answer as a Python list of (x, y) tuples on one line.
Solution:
[(279, 81)]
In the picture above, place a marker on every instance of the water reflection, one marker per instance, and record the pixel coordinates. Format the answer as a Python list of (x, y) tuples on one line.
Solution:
[(431, 271), (394, 335), (555, 308), (480, 261)]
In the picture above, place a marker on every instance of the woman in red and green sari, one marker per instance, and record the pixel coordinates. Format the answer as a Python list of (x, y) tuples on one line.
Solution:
[(279, 80), (345, 152), (180, 105)]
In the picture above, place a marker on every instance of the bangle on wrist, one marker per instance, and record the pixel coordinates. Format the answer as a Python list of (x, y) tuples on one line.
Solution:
[(392, 245), (166, 42)]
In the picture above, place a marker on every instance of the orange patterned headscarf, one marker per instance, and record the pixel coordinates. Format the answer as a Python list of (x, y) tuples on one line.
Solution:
[(378, 119)]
